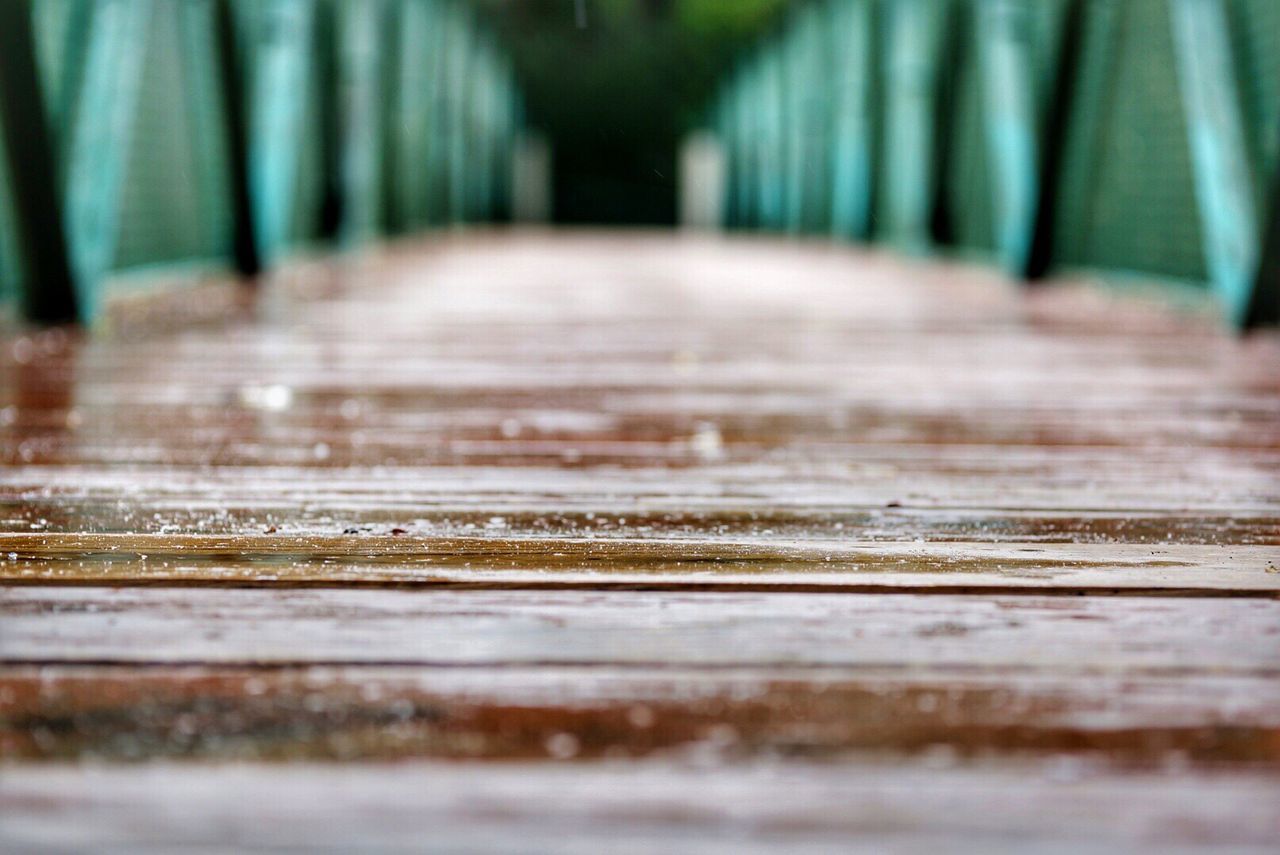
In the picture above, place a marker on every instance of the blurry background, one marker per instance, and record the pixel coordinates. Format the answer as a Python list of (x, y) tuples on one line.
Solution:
[(615, 83)]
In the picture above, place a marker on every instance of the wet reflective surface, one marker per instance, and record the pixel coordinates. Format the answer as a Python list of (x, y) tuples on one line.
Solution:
[(640, 509)]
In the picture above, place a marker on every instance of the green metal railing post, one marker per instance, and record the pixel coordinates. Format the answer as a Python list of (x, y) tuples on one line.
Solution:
[(101, 134), (412, 123), (911, 80), (282, 46), (456, 81), (392, 28), (1010, 114), (1264, 301), (438, 147), (1220, 157), (956, 48), (792, 62), (745, 153), (773, 153), (49, 293), (852, 33), (360, 63), (1062, 94), (815, 105), (233, 88), (62, 95), (325, 71)]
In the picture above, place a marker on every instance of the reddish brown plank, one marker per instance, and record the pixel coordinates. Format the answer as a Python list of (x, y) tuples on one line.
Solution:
[(1126, 719), (629, 560)]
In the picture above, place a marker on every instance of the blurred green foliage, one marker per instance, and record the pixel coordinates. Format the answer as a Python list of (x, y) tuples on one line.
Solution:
[(615, 83)]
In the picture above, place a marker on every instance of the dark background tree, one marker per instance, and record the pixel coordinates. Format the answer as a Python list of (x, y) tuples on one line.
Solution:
[(615, 96)]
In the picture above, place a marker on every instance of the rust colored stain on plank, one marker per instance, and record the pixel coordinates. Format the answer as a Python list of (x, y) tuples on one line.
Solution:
[(126, 714)]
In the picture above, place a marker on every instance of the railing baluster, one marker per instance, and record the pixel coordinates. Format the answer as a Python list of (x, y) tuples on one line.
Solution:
[(1264, 299), (48, 288), (1010, 119), (1061, 94), (1220, 158), (910, 88), (101, 134), (281, 44), (851, 147), (361, 26)]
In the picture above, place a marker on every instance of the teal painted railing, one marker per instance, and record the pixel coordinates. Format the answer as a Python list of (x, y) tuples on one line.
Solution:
[(234, 133), (1140, 136)]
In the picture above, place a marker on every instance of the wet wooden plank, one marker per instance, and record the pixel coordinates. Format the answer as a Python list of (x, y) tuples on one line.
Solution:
[(689, 405), (1124, 718), (1046, 806), (1001, 633), (499, 675), (223, 505), (628, 561), (885, 497)]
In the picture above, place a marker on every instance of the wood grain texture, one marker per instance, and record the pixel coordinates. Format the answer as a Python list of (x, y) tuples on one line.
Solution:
[(631, 562), (1125, 719), (1049, 806), (659, 543), (1016, 633)]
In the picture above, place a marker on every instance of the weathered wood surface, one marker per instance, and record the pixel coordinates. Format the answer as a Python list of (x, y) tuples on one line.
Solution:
[(629, 562), (695, 545), (1016, 633), (1126, 719), (934, 804), (507, 674)]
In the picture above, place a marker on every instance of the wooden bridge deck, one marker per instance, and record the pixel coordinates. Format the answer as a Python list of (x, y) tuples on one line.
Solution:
[(591, 542)]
